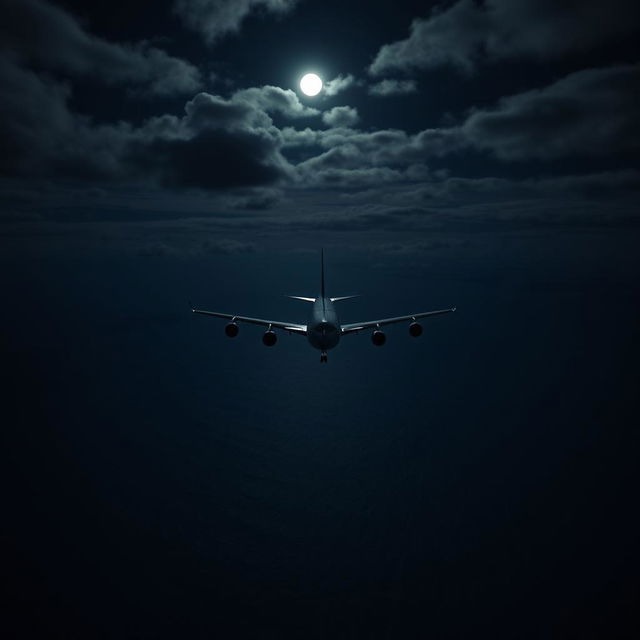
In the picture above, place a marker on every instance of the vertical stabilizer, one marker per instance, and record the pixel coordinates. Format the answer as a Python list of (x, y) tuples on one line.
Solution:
[(322, 273)]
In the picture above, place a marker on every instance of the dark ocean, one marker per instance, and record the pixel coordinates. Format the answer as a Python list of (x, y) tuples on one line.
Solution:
[(166, 482)]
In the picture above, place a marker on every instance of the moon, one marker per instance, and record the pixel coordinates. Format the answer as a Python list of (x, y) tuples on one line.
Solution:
[(311, 84)]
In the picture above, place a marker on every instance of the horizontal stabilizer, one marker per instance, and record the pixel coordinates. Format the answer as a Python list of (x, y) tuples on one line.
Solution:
[(344, 298), (303, 298)]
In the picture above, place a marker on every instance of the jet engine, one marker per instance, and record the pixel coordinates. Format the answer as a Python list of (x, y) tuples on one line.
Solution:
[(415, 329), (231, 329), (269, 338), (378, 338)]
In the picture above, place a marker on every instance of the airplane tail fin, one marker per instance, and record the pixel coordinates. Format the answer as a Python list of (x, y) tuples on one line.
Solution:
[(322, 273)]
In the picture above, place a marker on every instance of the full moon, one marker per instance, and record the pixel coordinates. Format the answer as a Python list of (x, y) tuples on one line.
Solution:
[(311, 84)]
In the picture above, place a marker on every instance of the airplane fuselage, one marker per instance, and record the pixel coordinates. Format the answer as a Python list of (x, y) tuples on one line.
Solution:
[(323, 328)]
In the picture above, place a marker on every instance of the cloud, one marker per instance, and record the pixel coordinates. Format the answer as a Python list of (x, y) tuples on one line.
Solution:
[(591, 186), (333, 176), (466, 32), (448, 36), (479, 205), (594, 186), (217, 18), (246, 108), (345, 147), (368, 218), (30, 107), (230, 145), (338, 84), (218, 144), (258, 200), (354, 158), (211, 159), (210, 111), (590, 112), (341, 117), (275, 100), (392, 87), (41, 34)]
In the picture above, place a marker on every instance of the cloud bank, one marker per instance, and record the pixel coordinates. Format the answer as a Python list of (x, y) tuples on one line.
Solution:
[(38, 33), (468, 32)]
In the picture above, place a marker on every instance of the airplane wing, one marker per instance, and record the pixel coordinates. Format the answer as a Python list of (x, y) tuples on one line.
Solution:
[(274, 324), (359, 326)]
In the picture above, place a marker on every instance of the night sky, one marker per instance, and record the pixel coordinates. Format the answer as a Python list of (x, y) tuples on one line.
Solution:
[(163, 481)]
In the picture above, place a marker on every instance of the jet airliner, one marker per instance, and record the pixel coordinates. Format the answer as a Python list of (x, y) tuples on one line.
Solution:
[(323, 330)]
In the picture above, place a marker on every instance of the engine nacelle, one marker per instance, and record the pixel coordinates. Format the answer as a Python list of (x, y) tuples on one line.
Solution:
[(415, 329), (378, 338), (231, 329), (269, 338)]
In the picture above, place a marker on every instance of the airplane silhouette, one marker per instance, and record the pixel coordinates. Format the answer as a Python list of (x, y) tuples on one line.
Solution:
[(323, 330)]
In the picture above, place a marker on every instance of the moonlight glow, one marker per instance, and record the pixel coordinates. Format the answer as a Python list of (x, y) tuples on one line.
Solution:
[(311, 84)]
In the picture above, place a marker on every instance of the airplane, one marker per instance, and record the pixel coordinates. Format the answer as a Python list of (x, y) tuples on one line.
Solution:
[(323, 330)]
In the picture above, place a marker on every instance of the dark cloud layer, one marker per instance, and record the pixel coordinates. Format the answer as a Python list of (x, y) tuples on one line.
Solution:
[(40, 33), (211, 159), (221, 143), (218, 144), (592, 112), (587, 113), (217, 18), (467, 32), (254, 147)]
